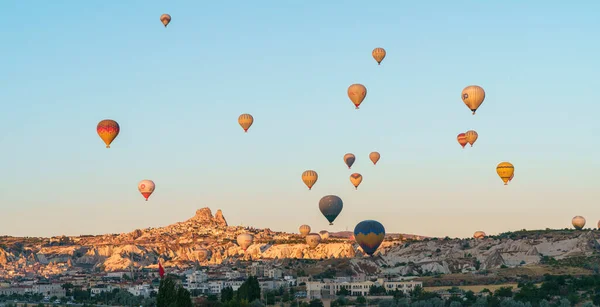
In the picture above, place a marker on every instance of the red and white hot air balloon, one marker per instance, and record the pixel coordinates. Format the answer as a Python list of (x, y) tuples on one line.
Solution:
[(146, 187)]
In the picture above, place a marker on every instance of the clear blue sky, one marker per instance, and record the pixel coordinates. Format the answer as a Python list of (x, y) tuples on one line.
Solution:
[(177, 93)]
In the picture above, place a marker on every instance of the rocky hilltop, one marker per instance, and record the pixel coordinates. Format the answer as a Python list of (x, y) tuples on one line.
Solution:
[(185, 243)]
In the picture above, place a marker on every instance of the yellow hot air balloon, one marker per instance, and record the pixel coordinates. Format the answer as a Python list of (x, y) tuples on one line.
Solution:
[(505, 170), (356, 179), (378, 55), (245, 120), (304, 230), (313, 240), (479, 235), (357, 93), (309, 178), (471, 136), (473, 96), (325, 234), (165, 19), (108, 130), (374, 156)]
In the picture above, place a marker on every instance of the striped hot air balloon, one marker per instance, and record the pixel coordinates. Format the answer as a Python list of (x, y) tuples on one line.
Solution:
[(369, 234), (108, 130), (378, 54), (462, 140), (245, 120), (309, 178), (505, 170)]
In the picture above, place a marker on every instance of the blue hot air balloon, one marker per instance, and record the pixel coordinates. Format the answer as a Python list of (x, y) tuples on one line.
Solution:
[(369, 234), (331, 206)]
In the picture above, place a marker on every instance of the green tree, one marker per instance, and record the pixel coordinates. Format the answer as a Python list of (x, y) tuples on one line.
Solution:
[(226, 294), (171, 295), (249, 290), (184, 298), (343, 291), (315, 303)]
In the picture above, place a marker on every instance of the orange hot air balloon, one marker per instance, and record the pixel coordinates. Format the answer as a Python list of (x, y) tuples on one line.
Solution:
[(245, 120), (462, 139), (378, 55), (473, 96), (471, 136), (374, 156), (357, 93), (356, 179), (309, 178), (165, 19), (108, 130)]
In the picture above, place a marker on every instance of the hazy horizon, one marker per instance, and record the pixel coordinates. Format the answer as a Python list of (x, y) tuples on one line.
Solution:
[(177, 93)]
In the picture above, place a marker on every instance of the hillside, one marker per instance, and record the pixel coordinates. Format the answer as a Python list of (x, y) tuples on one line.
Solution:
[(182, 244)]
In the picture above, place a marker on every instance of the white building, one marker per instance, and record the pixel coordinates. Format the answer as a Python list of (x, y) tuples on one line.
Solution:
[(143, 290), (328, 289), (49, 289), (195, 280), (119, 274), (274, 273), (233, 275)]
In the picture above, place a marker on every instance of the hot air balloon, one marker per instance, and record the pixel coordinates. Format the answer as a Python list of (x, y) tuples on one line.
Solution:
[(356, 179), (203, 254), (310, 178), (471, 136), (165, 19), (578, 222), (313, 240), (462, 139), (505, 170), (374, 156), (357, 93), (349, 159), (245, 120), (479, 235), (108, 130), (378, 55), (473, 97), (324, 234), (369, 234), (146, 187), (331, 206), (244, 240), (304, 230)]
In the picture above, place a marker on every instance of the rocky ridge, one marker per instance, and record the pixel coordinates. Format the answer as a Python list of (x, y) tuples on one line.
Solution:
[(183, 244)]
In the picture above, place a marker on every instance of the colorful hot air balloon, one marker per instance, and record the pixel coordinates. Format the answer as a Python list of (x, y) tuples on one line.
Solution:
[(331, 206), (473, 97), (244, 240), (304, 230), (462, 139), (245, 120), (108, 130), (378, 55), (369, 234), (357, 93), (349, 159), (471, 136), (479, 235), (578, 222), (165, 19), (203, 254), (356, 179), (374, 156), (146, 187), (310, 178), (505, 170), (325, 234)]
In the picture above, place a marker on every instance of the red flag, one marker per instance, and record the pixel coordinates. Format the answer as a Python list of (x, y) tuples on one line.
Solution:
[(161, 270)]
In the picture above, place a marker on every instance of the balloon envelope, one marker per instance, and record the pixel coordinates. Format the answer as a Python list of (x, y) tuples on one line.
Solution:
[(374, 156), (356, 179), (108, 130), (479, 235), (304, 230), (471, 136), (244, 240), (146, 187), (203, 254), (349, 159), (309, 178), (578, 222), (331, 206), (245, 120), (473, 96), (357, 93), (505, 170), (378, 54), (313, 240), (369, 234), (324, 234), (462, 139), (165, 19)]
